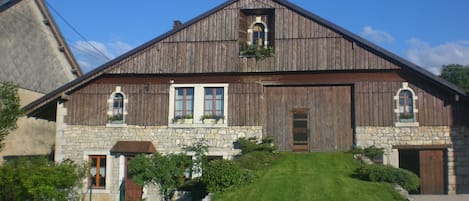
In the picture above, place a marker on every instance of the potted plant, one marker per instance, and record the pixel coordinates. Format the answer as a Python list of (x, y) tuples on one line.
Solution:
[(255, 51), (115, 119), (406, 117), (183, 119), (212, 118)]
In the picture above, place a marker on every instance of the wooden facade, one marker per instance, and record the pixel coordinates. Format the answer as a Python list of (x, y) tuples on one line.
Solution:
[(212, 44), (372, 96)]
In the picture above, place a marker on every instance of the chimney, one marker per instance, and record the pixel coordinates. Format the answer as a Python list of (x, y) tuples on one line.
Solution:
[(176, 24)]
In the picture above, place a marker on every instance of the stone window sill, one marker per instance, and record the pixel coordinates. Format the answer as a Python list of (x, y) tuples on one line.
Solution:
[(116, 125), (197, 125), (407, 124)]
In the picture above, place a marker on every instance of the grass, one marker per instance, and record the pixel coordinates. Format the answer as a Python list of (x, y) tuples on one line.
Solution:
[(310, 176)]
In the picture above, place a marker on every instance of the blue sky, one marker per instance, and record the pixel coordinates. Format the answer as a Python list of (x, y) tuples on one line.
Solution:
[(429, 33)]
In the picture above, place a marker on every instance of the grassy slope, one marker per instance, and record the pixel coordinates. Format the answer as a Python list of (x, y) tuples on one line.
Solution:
[(311, 176)]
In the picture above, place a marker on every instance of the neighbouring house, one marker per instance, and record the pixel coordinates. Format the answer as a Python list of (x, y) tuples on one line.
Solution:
[(260, 68), (35, 57)]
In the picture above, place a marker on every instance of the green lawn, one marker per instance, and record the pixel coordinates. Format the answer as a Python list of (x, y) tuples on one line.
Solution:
[(310, 176)]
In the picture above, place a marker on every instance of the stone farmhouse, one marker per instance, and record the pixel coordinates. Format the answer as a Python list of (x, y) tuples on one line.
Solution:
[(35, 57), (260, 68)]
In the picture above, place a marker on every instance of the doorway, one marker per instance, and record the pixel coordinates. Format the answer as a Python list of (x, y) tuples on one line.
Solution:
[(429, 165), (133, 191), (300, 130)]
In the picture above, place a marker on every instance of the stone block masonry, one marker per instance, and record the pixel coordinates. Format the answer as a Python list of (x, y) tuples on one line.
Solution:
[(457, 139), (77, 142)]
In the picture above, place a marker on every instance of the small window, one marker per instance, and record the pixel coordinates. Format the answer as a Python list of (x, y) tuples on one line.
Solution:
[(184, 107), (258, 35), (214, 101), (406, 111), (97, 171), (406, 106), (117, 109)]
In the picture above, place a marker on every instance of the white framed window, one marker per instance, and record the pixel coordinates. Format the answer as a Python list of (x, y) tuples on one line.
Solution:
[(193, 104), (406, 111), (258, 34), (117, 107)]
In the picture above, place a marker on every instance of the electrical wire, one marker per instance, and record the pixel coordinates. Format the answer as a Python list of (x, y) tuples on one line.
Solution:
[(76, 31)]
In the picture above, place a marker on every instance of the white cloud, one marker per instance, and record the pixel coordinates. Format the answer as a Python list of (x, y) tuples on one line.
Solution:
[(91, 54), (120, 47), (375, 35), (433, 57)]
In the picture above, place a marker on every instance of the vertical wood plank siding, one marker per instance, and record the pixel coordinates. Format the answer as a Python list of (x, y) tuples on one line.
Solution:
[(147, 104), (375, 104), (373, 96), (329, 116), (212, 45), (245, 104)]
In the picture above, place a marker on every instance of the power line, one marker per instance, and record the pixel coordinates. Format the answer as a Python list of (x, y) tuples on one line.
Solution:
[(76, 31), (29, 22)]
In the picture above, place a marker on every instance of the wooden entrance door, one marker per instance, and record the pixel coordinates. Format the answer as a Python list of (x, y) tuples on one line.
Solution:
[(133, 191), (432, 172), (300, 130)]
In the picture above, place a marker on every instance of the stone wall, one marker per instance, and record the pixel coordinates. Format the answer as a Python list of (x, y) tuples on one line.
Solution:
[(77, 142), (456, 138)]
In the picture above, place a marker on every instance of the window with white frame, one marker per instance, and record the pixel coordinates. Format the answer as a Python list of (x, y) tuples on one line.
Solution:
[(117, 108), (193, 103), (406, 109), (214, 101), (184, 103), (258, 33)]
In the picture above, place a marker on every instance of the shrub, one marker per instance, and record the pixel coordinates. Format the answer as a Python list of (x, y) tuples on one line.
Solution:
[(39, 179), (197, 188), (373, 152), (255, 160), (220, 175), (386, 173), (251, 144), (165, 171)]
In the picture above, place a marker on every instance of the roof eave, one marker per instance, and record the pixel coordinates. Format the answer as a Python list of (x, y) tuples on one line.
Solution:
[(374, 48), (59, 37)]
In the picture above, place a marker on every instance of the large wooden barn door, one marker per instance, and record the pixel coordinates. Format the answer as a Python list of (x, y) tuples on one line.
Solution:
[(329, 123), (432, 172)]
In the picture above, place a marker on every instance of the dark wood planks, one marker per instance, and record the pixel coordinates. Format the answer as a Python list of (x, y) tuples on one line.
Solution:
[(373, 97), (212, 45), (329, 111)]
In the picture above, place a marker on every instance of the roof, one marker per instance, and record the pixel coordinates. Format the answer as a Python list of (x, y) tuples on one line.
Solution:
[(133, 147), (33, 52), (347, 34), (58, 36)]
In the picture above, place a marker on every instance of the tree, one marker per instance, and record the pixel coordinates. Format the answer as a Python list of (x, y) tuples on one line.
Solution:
[(40, 179), (9, 109), (165, 171), (457, 74)]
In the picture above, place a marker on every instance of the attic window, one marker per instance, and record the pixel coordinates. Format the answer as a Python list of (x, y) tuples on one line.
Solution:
[(256, 32), (258, 35)]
